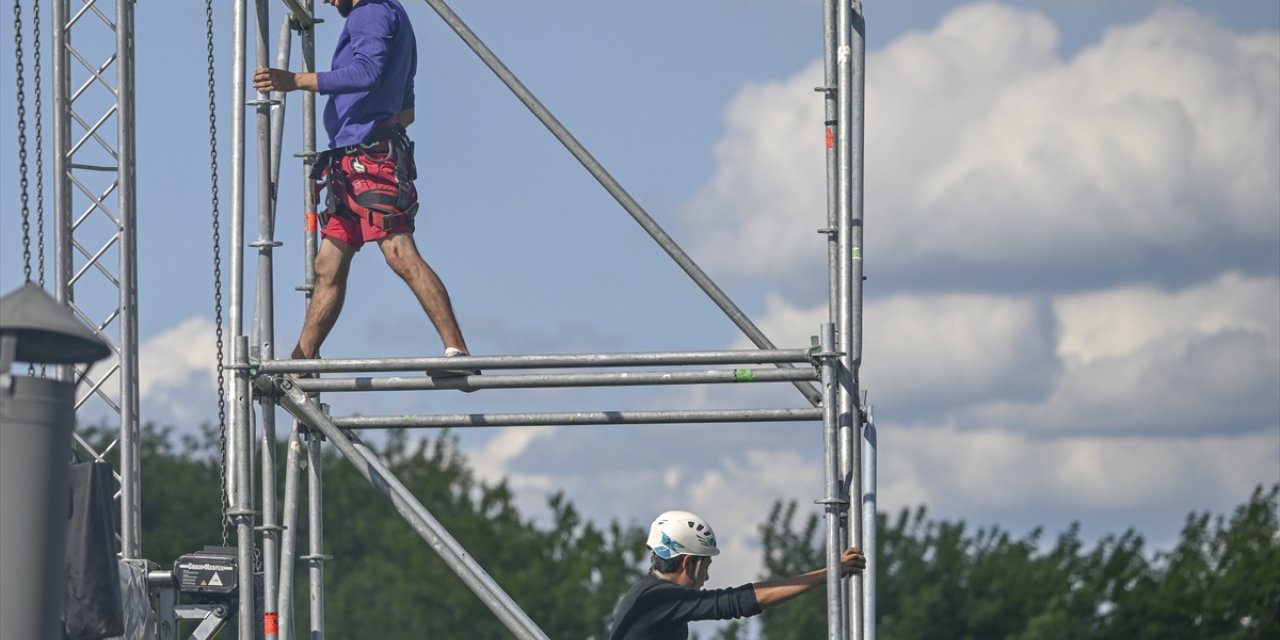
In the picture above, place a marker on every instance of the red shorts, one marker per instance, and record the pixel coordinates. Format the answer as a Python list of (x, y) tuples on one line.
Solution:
[(374, 169), (354, 233)]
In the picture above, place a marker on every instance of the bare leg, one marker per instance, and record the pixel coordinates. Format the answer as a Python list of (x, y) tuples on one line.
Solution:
[(333, 263), (403, 258)]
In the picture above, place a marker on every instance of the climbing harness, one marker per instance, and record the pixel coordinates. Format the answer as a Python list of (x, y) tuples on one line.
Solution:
[(371, 181), (217, 270)]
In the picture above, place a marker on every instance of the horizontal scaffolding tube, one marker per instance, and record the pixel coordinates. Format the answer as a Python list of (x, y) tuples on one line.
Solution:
[(545, 380), (745, 356), (581, 418)]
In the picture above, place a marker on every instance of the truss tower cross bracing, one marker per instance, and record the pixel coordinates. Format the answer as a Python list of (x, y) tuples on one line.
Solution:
[(95, 223)]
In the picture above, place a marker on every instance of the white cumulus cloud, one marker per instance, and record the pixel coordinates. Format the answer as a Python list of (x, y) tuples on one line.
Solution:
[(177, 374), (1150, 152)]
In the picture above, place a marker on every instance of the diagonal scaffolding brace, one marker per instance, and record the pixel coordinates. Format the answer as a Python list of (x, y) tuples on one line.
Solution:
[(295, 401)]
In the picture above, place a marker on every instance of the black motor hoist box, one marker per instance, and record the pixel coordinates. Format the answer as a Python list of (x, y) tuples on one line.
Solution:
[(211, 572)]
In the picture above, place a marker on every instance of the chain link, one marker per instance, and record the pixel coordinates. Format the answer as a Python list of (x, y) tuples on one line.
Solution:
[(35, 27), (20, 74), (217, 270), (39, 92)]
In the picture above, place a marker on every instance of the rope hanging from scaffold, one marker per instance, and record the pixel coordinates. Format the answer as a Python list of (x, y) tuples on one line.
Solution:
[(217, 268)]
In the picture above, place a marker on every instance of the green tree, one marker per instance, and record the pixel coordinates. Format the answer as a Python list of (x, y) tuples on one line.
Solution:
[(383, 580), (937, 580), (1222, 580), (567, 576)]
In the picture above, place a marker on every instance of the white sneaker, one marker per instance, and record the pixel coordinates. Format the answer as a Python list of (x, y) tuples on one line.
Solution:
[(453, 352)]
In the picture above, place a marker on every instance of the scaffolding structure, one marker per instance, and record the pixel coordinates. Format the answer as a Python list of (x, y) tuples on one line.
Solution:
[(826, 373)]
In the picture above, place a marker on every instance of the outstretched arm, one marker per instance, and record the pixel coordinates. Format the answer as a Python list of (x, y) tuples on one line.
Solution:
[(776, 592)]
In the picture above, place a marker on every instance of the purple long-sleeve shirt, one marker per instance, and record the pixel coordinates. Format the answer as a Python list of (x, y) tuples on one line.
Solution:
[(373, 68)]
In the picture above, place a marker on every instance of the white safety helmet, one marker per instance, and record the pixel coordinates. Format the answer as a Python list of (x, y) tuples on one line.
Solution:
[(680, 533)]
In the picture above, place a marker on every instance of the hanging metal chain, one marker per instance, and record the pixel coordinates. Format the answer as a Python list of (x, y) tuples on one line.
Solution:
[(35, 29), (22, 140), (217, 270), (39, 92)]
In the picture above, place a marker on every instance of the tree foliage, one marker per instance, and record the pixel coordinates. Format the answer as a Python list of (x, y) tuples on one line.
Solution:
[(383, 580), (938, 579)]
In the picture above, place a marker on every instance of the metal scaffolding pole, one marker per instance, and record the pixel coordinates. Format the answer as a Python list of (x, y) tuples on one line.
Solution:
[(850, 59), (241, 511), (832, 502), (549, 361), (869, 525), (581, 418), (235, 307), (315, 556), (308, 155), (62, 228), (837, 497), (428, 528), (538, 381), (315, 531), (264, 307), (284, 50), (130, 470), (289, 531)]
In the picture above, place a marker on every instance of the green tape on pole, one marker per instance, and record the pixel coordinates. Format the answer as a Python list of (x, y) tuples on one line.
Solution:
[(744, 375)]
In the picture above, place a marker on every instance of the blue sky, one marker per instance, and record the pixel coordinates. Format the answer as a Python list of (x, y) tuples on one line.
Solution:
[(1072, 245)]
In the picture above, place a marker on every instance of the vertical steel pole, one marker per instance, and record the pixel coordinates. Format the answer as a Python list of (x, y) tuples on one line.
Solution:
[(849, 55), (242, 509), (315, 533), (308, 158), (830, 120), (836, 619), (264, 316), (832, 500), (315, 487), (869, 524), (63, 269), (235, 309), (239, 440), (270, 523), (289, 531), (284, 50), (130, 481)]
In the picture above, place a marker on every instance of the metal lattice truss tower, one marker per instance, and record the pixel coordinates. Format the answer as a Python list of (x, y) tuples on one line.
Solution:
[(95, 204)]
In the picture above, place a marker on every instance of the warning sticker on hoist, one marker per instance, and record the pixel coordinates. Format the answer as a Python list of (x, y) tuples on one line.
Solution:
[(209, 572)]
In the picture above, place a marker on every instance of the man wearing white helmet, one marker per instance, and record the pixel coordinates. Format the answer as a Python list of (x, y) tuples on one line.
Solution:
[(661, 605)]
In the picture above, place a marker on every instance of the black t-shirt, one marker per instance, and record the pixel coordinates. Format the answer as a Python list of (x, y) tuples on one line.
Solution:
[(657, 609)]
